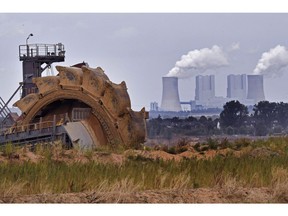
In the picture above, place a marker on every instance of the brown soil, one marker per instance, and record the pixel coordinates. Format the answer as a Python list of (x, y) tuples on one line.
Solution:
[(201, 195), (72, 156)]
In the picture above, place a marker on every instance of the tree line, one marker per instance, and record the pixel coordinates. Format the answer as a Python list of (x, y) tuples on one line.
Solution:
[(266, 118)]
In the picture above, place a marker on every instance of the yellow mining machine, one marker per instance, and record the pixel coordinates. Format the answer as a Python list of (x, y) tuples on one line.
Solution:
[(80, 105)]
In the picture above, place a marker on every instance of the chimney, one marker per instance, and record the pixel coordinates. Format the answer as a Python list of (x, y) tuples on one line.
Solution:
[(170, 94), (255, 88)]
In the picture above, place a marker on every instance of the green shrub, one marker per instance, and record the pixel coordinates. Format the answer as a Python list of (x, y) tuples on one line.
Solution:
[(8, 150), (224, 143), (212, 143), (139, 158), (172, 150), (197, 147)]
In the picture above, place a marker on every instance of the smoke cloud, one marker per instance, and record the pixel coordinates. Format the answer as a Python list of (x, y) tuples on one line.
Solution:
[(198, 61), (272, 61)]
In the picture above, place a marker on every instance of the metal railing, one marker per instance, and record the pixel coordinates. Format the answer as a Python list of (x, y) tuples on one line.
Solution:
[(49, 130), (29, 127), (32, 50)]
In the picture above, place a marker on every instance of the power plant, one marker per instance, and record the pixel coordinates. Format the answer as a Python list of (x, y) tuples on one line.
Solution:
[(236, 86), (255, 88), (205, 88), (170, 95), (205, 93)]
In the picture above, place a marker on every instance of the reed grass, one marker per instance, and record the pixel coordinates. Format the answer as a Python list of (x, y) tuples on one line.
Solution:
[(138, 174), (59, 177)]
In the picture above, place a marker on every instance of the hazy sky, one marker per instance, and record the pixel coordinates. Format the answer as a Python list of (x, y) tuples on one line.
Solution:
[(141, 48)]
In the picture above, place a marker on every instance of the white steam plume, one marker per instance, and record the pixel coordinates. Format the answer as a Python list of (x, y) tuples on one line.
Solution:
[(198, 61), (272, 61)]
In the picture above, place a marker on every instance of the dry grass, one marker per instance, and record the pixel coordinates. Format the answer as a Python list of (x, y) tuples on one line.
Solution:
[(53, 174), (229, 185), (8, 188), (279, 185)]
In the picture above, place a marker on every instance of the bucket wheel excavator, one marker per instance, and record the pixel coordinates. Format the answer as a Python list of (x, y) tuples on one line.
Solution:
[(80, 105)]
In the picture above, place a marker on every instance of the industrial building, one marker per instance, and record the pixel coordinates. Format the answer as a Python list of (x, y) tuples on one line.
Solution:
[(170, 95), (205, 93), (255, 88), (236, 87), (205, 88), (248, 89), (154, 106)]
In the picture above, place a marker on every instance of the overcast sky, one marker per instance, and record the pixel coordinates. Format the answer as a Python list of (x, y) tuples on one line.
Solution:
[(141, 48)]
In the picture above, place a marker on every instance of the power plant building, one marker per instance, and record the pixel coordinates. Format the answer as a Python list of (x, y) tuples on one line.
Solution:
[(154, 106), (205, 88), (236, 87), (248, 89), (170, 95), (255, 88), (205, 93)]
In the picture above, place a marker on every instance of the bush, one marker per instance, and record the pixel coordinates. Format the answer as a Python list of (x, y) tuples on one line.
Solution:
[(212, 143), (171, 150), (182, 142), (139, 158), (224, 143), (8, 150), (197, 147)]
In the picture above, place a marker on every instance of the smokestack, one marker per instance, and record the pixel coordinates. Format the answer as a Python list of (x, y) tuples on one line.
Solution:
[(255, 88), (170, 94)]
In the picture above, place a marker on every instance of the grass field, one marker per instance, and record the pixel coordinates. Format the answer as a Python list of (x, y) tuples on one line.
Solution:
[(139, 173)]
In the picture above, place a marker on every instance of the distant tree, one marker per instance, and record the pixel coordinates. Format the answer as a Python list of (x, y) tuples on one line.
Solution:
[(175, 120), (159, 119), (167, 133), (234, 114), (261, 129), (265, 112), (282, 114), (203, 119), (154, 127), (191, 119), (210, 125), (229, 130)]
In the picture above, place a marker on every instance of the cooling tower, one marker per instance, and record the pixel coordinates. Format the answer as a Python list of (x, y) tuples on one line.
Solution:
[(236, 86), (255, 88), (170, 94)]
